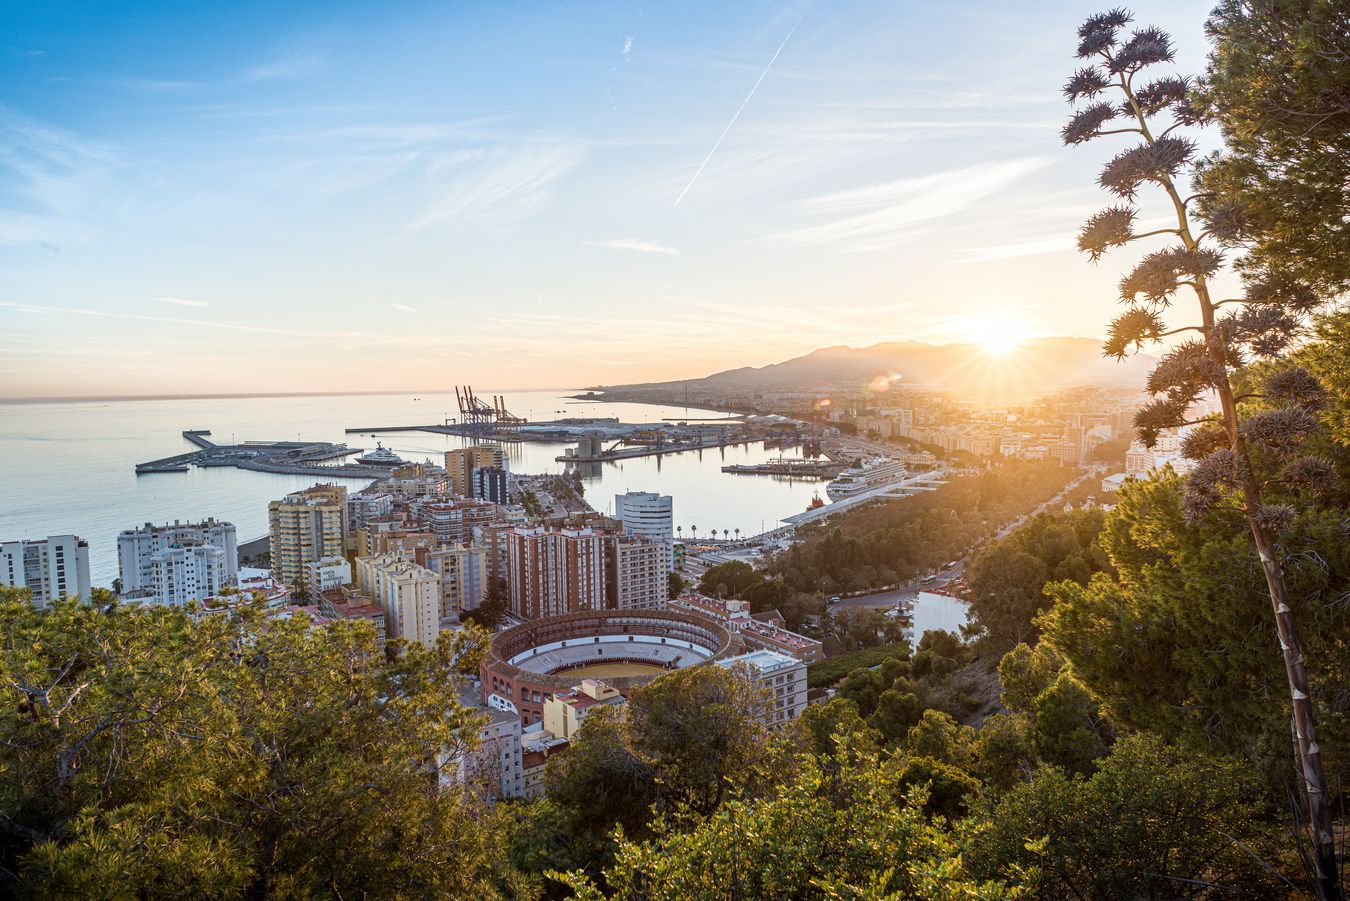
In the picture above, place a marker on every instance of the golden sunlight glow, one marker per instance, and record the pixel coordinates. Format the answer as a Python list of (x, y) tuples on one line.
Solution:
[(998, 335)]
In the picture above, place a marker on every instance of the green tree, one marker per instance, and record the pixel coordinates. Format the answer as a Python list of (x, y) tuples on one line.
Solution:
[(1005, 594), (702, 731), (1278, 87), (825, 724), (939, 737), (675, 585), (1152, 822), (852, 833), (496, 602), (1005, 754), (149, 752), (1228, 331)]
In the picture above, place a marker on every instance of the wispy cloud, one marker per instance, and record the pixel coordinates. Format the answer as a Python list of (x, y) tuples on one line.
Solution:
[(24, 52), (53, 177), (296, 61), (404, 308), (637, 244), (183, 302), (880, 216), (501, 186), (627, 46)]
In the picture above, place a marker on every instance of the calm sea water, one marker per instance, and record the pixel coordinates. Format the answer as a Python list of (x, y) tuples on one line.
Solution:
[(70, 467)]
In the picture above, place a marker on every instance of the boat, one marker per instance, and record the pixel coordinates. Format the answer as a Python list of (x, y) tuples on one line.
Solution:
[(816, 503), (864, 476), (381, 456)]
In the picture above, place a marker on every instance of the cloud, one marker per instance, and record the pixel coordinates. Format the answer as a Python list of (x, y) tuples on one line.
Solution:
[(500, 186), (30, 53), (183, 302), (627, 46), (403, 308), (637, 244), (882, 215)]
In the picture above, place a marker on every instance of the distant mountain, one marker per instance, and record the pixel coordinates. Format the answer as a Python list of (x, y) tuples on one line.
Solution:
[(1036, 366)]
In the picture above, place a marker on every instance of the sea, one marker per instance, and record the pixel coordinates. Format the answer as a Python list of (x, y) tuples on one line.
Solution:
[(68, 467)]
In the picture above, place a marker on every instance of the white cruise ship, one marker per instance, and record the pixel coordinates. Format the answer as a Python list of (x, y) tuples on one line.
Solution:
[(381, 456), (864, 477)]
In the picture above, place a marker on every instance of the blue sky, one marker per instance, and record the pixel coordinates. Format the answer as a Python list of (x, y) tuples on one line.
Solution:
[(328, 196)]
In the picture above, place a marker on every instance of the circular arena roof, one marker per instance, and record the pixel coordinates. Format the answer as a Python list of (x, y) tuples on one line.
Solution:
[(547, 651)]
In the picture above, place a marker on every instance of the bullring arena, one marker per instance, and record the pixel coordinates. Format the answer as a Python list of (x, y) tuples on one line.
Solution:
[(526, 663)]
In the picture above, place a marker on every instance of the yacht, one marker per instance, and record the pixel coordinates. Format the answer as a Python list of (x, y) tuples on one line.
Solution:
[(864, 476), (381, 456)]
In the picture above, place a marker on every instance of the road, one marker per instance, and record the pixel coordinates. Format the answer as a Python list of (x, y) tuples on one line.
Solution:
[(887, 599)]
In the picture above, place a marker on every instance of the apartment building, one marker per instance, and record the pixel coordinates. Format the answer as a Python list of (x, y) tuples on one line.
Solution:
[(306, 526), (461, 463), (566, 712), (409, 595), (50, 568), (555, 571), (782, 679), (463, 574), (636, 573), (453, 521), (151, 556), (650, 515)]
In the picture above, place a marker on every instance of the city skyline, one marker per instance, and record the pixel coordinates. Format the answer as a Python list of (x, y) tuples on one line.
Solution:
[(334, 199)]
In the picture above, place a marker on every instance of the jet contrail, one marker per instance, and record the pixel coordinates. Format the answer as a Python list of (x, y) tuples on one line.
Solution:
[(740, 110)]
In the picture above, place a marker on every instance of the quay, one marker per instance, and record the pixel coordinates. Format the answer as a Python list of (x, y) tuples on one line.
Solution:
[(282, 457), (807, 469), (595, 455)]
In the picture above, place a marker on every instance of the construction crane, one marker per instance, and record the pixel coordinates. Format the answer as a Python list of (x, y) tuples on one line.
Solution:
[(506, 420)]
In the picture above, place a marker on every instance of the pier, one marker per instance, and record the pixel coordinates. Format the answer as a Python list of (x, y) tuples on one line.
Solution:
[(281, 457), (805, 469), (656, 450)]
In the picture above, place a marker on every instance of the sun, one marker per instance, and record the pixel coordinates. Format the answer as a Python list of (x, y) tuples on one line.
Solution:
[(998, 336)]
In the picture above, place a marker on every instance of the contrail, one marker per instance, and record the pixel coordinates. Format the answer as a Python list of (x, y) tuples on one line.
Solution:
[(744, 102)]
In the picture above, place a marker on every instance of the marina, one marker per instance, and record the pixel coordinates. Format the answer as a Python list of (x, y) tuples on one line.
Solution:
[(278, 457)]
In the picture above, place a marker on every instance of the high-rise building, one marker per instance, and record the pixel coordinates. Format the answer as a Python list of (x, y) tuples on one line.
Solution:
[(555, 571), (492, 483), (410, 596), (327, 573), (635, 568), (306, 526), (173, 563), (463, 573), (362, 507), (650, 515), (461, 463), (453, 521), (50, 568)]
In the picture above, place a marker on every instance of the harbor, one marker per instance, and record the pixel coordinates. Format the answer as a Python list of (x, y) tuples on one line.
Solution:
[(822, 470)]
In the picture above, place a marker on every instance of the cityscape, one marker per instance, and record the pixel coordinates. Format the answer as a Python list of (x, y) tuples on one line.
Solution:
[(741, 578)]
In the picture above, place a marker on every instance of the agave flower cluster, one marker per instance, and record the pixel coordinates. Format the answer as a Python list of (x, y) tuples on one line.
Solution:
[(1112, 95)]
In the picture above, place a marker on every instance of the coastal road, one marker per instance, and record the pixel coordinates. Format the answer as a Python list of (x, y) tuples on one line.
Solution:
[(887, 599)]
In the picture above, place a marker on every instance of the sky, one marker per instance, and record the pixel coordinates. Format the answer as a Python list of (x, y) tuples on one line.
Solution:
[(270, 197)]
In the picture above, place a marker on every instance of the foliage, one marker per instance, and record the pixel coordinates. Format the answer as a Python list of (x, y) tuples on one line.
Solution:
[(1179, 643), (882, 544), (825, 724), (675, 585), (1152, 822), (1278, 86), (856, 832), (827, 672), (1005, 579), (151, 752), (492, 611)]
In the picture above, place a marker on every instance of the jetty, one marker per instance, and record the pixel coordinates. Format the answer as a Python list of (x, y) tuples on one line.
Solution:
[(282, 457)]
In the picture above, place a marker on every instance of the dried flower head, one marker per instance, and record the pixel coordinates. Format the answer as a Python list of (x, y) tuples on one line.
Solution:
[(1311, 474), (1267, 330), (1273, 289), (1154, 417), (1295, 386), (1162, 93), (1132, 330), (1275, 518), (1107, 21), (1087, 82), (1112, 227), (1129, 169), (1146, 47), (1087, 123), (1226, 221), (1204, 440), (1282, 430), (1185, 372)]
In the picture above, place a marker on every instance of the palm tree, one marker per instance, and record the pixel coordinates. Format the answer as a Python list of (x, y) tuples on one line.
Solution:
[(738, 534), (693, 530), (679, 530)]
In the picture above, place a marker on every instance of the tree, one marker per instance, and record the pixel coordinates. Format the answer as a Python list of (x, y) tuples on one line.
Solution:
[(702, 730), (1263, 323), (1278, 87), (1152, 822), (853, 831), (496, 602), (1005, 594), (148, 752), (675, 585)]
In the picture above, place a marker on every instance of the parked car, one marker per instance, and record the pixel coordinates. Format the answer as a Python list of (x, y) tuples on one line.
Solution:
[(834, 599)]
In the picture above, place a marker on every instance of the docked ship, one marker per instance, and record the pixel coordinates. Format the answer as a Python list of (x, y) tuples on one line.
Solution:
[(381, 456), (865, 476)]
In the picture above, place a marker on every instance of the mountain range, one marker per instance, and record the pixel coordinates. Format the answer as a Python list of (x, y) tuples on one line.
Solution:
[(1035, 366)]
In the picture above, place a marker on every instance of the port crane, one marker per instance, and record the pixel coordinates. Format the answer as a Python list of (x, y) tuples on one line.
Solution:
[(481, 416)]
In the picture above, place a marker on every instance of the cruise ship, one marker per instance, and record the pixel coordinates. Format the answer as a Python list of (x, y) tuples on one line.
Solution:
[(865, 476)]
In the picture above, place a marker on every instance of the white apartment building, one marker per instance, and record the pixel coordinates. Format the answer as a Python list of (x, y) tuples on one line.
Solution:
[(327, 573), (50, 568), (463, 571), (637, 573), (410, 596), (495, 766), (783, 680), (173, 563), (650, 515), (362, 507)]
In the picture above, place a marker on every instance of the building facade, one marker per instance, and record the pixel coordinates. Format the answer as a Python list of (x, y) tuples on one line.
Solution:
[(780, 677), (650, 515), (146, 557), (636, 573), (463, 573), (50, 568), (306, 526), (409, 595), (461, 463), (555, 571)]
